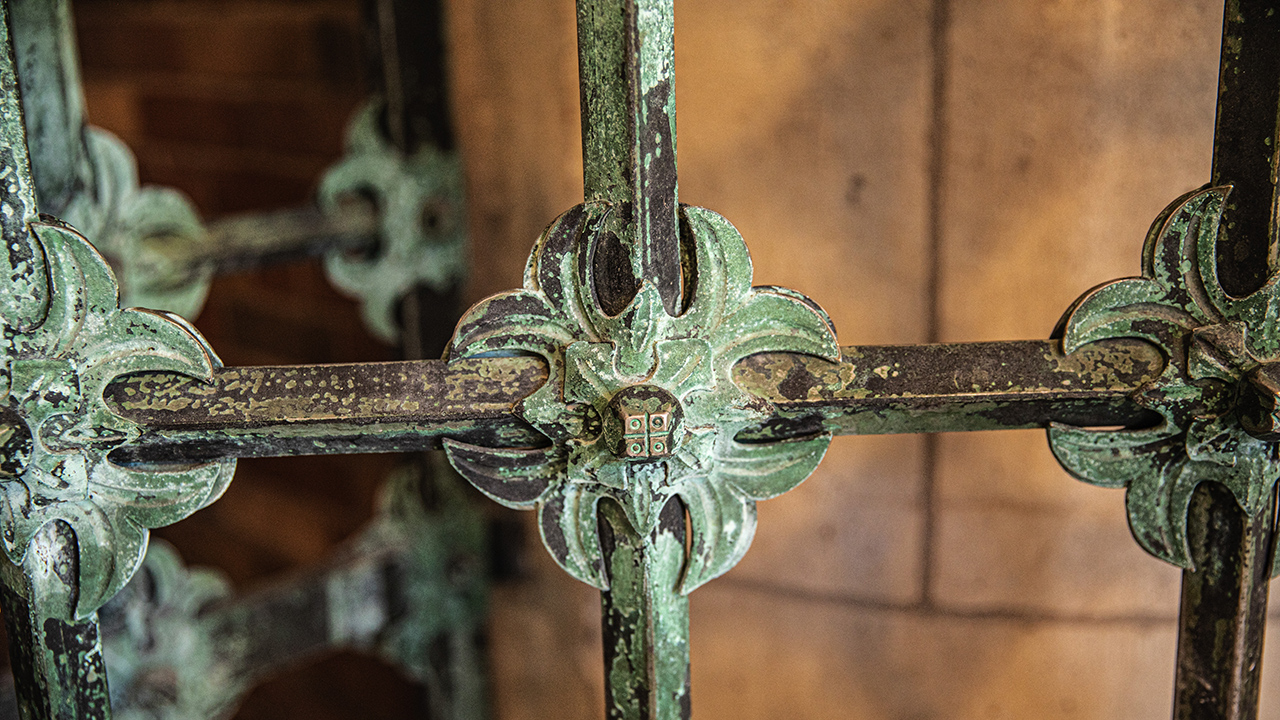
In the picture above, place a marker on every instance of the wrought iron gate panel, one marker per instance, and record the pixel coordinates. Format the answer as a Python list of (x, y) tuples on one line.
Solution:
[(641, 396)]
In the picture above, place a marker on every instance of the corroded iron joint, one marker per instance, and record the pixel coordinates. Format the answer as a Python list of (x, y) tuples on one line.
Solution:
[(1259, 405), (1217, 394)]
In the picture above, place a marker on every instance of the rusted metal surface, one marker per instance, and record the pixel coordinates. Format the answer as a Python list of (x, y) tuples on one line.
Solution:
[(641, 396), (57, 663), (946, 388), (627, 81), (645, 624), (1202, 482), (244, 242), (88, 177), (253, 411), (1224, 600), (325, 409), (38, 598), (1224, 608), (1244, 143), (49, 79)]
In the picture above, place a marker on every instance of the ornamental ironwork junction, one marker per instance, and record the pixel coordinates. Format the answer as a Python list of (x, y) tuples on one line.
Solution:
[(637, 393)]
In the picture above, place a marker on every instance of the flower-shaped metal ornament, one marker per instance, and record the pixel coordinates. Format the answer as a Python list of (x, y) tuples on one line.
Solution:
[(421, 209), (146, 231), (64, 339), (1212, 397), (640, 407)]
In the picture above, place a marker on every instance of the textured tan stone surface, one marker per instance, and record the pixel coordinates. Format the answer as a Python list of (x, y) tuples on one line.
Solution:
[(1027, 558), (515, 80), (546, 645), (757, 658), (1070, 126), (855, 528)]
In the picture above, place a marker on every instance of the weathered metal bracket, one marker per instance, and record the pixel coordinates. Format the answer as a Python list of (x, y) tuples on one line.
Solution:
[(1202, 480), (418, 198), (74, 524), (65, 340), (55, 369), (641, 407), (643, 396)]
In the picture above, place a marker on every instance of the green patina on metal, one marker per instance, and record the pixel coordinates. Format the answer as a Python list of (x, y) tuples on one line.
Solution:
[(147, 232), (179, 645), (646, 624), (64, 340), (52, 380), (1218, 349), (160, 662), (419, 199), (440, 592), (89, 178), (683, 363), (58, 666), (626, 65)]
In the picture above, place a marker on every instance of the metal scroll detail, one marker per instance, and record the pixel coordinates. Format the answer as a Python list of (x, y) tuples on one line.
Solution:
[(1217, 394), (641, 407), (65, 339), (419, 200), (160, 664)]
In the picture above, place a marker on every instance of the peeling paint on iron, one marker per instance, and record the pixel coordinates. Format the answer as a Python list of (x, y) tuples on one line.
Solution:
[(1213, 395)]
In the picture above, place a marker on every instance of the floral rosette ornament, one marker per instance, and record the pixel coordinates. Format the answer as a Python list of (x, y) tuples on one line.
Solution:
[(145, 231), (65, 338), (421, 209), (1215, 396), (640, 407)]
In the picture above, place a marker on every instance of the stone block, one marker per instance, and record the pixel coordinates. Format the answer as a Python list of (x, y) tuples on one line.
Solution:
[(761, 656), (1041, 560)]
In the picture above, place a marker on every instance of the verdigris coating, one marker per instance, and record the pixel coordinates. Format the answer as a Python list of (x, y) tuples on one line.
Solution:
[(420, 204), (1220, 351), (687, 359)]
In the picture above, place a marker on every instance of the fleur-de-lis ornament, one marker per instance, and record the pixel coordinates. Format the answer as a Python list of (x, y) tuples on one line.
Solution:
[(1216, 397), (421, 210), (640, 407), (65, 338)]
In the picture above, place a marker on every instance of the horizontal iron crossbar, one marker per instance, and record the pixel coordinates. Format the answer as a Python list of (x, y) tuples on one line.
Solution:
[(398, 406)]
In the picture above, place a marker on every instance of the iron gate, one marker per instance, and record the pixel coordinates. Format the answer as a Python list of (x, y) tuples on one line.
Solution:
[(637, 392)]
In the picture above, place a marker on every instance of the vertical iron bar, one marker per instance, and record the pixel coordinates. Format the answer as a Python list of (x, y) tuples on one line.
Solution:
[(57, 665), (1224, 608), (626, 57), (49, 79), (646, 619), (1244, 142), (413, 77), (58, 669), (410, 69), (1222, 619), (411, 72)]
